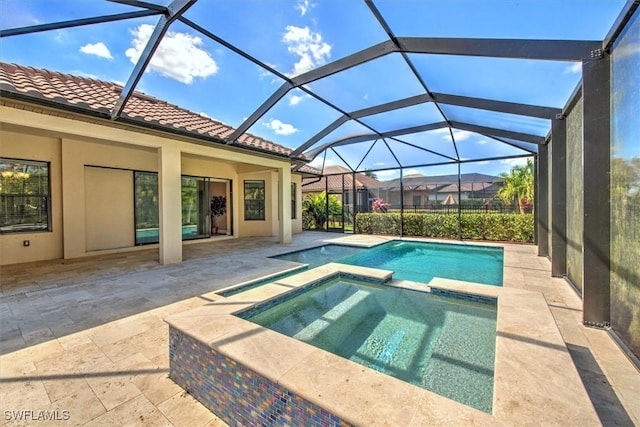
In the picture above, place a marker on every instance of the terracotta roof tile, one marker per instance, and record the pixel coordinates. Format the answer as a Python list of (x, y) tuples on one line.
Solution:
[(309, 169), (97, 95), (335, 181)]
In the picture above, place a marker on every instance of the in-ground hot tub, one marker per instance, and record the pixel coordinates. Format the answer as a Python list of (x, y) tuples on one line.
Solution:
[(443, 342), (248, 374)]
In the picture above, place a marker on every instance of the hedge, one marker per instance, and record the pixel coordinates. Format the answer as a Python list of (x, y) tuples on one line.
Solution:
[(475, 226)]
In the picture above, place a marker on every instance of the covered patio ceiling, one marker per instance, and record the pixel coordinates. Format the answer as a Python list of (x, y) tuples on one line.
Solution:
[(367, 84)]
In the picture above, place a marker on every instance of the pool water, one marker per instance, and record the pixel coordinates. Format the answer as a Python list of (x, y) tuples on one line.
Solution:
[(442, 344), (416, 261), (321, 255)]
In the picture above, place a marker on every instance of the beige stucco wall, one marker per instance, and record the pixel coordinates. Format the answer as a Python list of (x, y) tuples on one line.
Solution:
[(108, 208), (254, 228), (82, 234), (71, 146), (46, 244)]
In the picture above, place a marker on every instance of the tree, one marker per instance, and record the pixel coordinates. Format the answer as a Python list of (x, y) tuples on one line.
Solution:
[(369, 173), (518, 186), (315, 206)]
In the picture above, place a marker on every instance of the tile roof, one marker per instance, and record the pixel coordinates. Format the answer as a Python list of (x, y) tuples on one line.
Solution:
[(99, 96), (335, 181), (306, 169)]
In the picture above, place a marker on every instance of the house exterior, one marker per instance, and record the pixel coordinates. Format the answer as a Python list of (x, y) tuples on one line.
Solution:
[(340, 180), (421, 191), (73, 182)]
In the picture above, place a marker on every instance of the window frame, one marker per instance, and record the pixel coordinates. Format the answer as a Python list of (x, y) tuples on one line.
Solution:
[(263, 200), (47, 196)]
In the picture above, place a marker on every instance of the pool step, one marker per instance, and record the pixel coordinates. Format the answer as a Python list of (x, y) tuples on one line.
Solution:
[(388, 351), (330, 317)]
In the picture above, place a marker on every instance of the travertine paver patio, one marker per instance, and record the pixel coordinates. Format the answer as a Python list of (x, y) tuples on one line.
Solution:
[(87, 336)]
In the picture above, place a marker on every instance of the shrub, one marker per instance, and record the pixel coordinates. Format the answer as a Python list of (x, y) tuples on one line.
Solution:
[(474, 226)]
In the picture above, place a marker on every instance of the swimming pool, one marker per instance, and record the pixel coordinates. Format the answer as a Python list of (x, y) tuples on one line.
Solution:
[(416, 261), (442, 344)]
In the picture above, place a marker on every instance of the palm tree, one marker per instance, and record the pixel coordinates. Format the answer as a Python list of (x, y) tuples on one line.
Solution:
[(518, 186), (315, 205)]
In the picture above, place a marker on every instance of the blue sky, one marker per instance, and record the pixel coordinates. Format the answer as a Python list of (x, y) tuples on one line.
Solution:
[(295, 36)]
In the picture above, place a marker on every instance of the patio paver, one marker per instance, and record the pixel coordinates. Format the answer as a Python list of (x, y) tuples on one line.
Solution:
[(87, 336)]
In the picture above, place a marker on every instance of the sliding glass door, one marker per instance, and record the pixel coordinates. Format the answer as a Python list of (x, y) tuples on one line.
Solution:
[(196, 221), (205, 205)]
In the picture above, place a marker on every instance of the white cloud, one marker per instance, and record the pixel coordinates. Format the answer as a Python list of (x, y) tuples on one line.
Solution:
[(412, 172), (574, 68), (317, 162), (203, 114), (280, 128), (264, 73), (387, 174), (304, 6), (331, 160), (98, 49), (320, 160), (179, 56), (61, 36), (295, 99), (308, 46), (626, 50), (379, 164), (461, 135), (521, 161), (366, 96), (482, 141), (87, 75)]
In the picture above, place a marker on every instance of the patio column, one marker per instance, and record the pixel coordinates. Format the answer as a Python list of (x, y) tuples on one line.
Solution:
[(559, 197), (542, 200), (284, 205), (596, 170), (170, 204)]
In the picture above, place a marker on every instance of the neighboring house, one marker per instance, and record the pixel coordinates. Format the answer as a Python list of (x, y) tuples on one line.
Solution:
[(340, 180), (429, 191), (419, 191), (74, 182)]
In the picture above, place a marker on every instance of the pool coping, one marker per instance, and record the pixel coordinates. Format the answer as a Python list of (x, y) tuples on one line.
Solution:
[(535, 381)]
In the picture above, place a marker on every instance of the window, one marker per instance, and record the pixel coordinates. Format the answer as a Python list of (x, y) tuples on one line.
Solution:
[(24, 196), (254, 200), (293, 200)]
